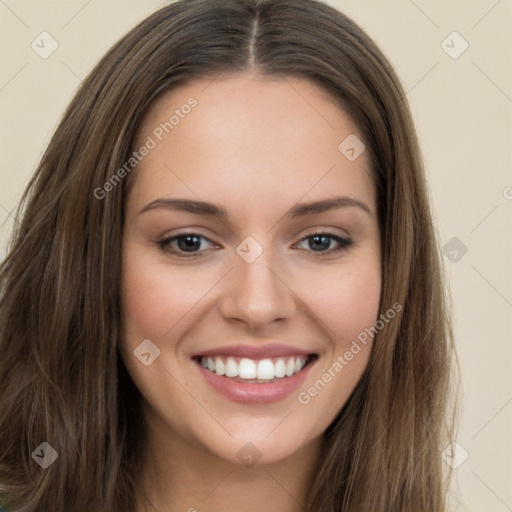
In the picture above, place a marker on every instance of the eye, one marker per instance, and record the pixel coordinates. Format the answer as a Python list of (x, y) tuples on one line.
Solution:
[(320, 243), (189, 244)]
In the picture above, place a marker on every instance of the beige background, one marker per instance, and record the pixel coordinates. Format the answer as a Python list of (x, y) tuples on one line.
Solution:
[(463, 110)]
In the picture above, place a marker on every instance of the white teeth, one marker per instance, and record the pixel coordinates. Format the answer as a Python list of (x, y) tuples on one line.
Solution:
[(265, 369), (290, 367), (231, 368), (247, 369), (220, 368), (280, 368)]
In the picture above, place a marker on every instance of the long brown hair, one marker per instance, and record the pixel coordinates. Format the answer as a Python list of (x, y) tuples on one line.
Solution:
[(62, 379)]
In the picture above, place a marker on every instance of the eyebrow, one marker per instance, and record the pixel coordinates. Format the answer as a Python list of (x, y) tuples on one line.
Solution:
[(299, 210)]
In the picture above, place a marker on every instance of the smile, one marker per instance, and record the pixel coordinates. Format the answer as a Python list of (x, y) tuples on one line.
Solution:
[(255, 375), (255, 371)]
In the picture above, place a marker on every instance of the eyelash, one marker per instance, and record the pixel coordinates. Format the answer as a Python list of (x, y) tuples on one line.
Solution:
[(345, 244)]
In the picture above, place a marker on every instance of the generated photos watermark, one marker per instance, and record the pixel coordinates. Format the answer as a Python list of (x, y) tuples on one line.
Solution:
[(305, 397), (137, 156)]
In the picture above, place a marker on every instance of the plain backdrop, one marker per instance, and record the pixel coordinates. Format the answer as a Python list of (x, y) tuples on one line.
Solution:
[(462, 104)]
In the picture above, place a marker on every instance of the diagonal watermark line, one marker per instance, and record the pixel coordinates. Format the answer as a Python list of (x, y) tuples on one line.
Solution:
[(218, 76), (305, 306), (169, 169), (424, 14), (3, 2), (197, 302), (501, 409), (493, 210), (284, 489), (75, 15), (217, 486), (421, 79), (5, 210), (198, 402), (492, 81), (14, 76), (174, 378), (311, 188), (284, 78), (8, 216), (502, 296), (278, 424), (81, 81), (9, 213), (508, 508), (79, 78), (220, 218), (485, 15)]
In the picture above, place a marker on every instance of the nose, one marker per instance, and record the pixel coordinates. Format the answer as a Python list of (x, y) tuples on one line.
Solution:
[(257, 293)]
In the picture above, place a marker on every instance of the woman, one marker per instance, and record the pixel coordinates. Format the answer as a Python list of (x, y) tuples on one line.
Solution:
[(225, 289)]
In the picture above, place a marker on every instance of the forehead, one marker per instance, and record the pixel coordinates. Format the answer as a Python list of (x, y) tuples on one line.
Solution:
[(265, 140)]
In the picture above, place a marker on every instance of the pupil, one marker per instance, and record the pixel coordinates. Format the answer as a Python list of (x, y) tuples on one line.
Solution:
[(189, 242), (320, 237)]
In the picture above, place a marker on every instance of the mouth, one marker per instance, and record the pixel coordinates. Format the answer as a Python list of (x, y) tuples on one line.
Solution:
[(255, 371), (255, 375)]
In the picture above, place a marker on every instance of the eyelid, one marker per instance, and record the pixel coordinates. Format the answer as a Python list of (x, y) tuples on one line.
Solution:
[(315, 230), (319, 230)]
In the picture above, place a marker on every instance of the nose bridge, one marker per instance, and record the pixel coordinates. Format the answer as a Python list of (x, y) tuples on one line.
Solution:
[(257, 292)]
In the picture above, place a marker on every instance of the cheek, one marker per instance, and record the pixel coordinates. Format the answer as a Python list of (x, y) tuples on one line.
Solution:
[(346, 301), (154, 301)]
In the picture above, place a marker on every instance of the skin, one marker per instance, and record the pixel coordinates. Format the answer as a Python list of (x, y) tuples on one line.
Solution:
[(255, 146)]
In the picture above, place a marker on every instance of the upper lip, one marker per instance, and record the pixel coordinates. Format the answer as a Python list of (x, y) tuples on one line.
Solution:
[(255, 351)]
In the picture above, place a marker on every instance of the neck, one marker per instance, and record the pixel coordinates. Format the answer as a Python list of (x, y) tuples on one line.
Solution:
[(178, 475)]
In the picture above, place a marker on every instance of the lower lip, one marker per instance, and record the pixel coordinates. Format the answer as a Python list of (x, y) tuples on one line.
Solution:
[(255, 393)]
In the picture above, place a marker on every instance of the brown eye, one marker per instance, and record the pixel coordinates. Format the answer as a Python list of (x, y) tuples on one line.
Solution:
[(184, 244)]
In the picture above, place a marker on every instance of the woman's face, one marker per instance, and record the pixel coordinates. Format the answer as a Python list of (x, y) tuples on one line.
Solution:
[(239, 327)]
